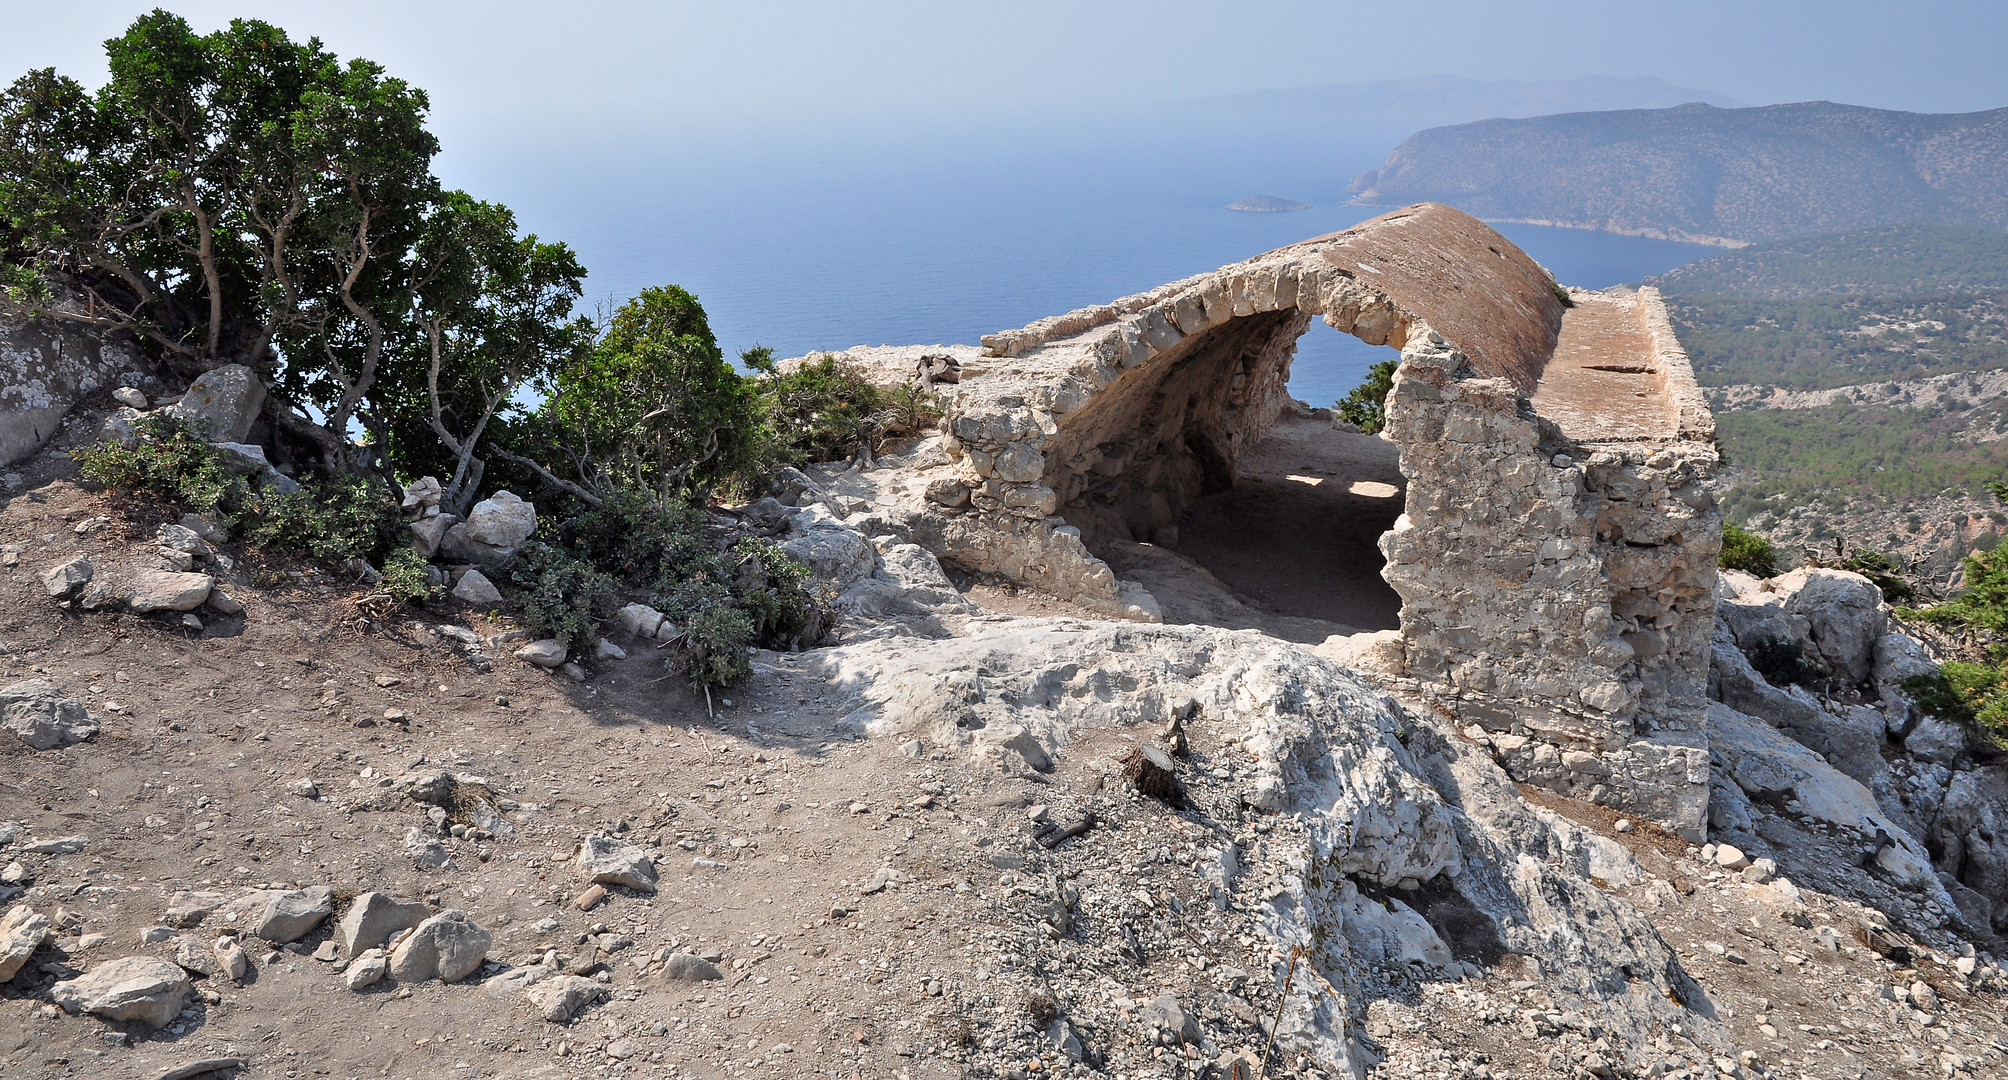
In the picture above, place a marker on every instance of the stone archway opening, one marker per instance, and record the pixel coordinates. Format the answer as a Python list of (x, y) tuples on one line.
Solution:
[(1232, 503)]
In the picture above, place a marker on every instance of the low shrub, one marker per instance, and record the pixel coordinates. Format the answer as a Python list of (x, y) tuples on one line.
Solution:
[(827, 410), (345, 517), (562, 596), (1974, 696), (1746, 551), (406, 576), (169, 460), (726, 600)]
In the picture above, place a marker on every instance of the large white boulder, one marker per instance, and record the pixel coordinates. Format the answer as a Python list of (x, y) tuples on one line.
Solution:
[(448, 946), (223, 403), (144, 989), (1845, 617), (501, 521), (168, 590)]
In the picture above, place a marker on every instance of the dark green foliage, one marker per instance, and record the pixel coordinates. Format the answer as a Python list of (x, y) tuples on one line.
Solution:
[(1561, 294), (169, 460), (1746, 551), (562, 595), (725, 600), (1365, 406), (1784, 663), (654, 405), (406, 576), (823, 410), (350, 516), (1827, 341), (1898, 260), (714, 646), (1836, 452), (1974, 696)]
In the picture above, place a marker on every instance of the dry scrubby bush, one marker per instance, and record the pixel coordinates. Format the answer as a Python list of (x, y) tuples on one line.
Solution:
[(827, 410), (349, 516)]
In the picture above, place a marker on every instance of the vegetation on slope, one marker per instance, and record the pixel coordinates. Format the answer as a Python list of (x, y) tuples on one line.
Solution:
[(1898, 260), (1821, 342)]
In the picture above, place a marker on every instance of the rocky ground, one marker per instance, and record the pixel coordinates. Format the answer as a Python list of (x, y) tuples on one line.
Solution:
[(922, 853)]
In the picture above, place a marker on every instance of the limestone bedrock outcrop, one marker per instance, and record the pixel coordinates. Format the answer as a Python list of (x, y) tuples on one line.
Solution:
[(46, 367), (1368, 779), (223, 403), (42, 716)]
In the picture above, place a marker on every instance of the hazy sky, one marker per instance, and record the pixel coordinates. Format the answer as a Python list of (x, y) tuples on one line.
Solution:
[(508, 70)]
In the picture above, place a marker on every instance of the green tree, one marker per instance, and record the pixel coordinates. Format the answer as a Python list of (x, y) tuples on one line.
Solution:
[(1365, 406), (494, 314), (654, 406), (234, 197)]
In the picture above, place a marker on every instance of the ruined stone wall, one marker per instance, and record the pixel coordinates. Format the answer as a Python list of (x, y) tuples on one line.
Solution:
[(1558, 592), (1556, 561)]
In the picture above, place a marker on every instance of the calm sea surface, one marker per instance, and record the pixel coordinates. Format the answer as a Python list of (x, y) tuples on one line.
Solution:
[(836, 249)]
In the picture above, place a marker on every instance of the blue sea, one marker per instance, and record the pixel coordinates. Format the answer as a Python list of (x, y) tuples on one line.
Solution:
[(824, 243)]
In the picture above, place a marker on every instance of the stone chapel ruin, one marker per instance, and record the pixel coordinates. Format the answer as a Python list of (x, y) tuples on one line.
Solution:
[(1555, 560)]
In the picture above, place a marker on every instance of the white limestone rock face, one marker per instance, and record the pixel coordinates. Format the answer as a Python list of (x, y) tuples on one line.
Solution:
[(1844, 616), (1768, 766), (46, 367), (836, 552), (144, 989), (37, 711), (1364, 778), (1972, 832), (223, 403)]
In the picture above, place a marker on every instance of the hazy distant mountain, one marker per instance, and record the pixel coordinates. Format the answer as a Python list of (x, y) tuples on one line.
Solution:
[(1436, 100), (1697, 172), (1896, 260)]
